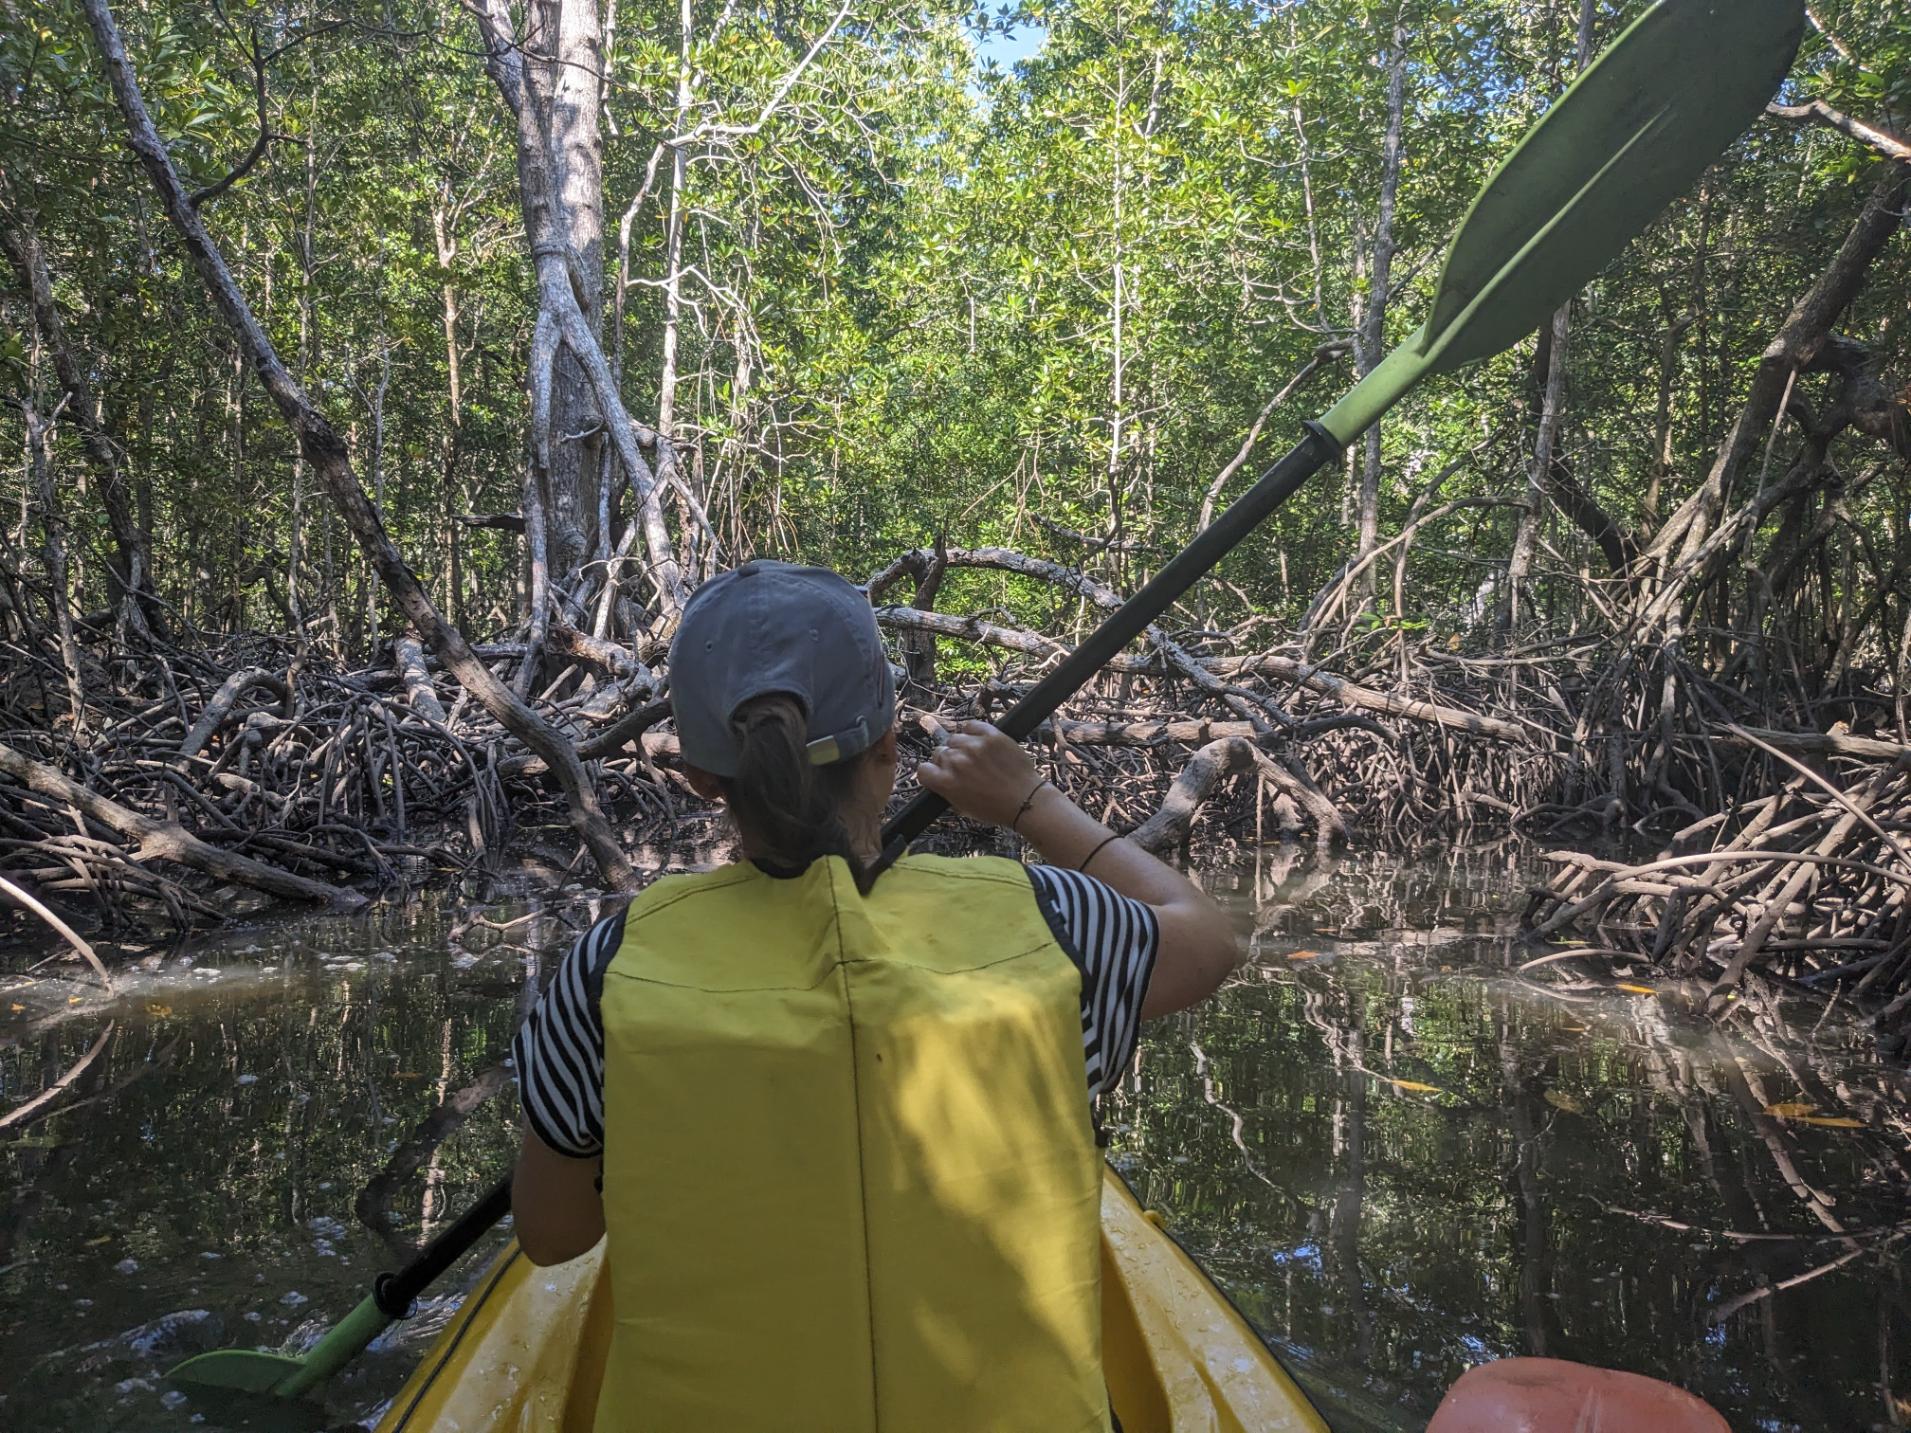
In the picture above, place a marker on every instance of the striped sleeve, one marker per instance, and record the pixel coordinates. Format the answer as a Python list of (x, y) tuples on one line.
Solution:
[(559, 1052), (1113, 941)]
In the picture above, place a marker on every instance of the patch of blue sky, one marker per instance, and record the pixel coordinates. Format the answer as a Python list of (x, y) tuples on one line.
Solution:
[(1009, 50)]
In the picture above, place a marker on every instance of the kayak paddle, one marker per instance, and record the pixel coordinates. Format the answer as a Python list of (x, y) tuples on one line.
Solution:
[(1635, 130), (237, 1373)]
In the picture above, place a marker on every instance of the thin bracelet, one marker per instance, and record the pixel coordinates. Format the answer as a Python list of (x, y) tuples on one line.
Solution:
[(1097, 851), (1027, 802)]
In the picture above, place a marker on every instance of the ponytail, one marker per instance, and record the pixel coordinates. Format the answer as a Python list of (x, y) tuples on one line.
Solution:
[(791, 810)]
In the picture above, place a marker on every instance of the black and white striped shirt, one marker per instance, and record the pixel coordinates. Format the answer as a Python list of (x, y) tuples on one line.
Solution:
[(559, 1052)]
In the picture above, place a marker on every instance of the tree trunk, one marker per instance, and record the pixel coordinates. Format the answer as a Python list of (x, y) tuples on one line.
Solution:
[(294, 595), (376, 405), (1676, 328), (1117, 307), (1372, 343), (445, 241), (559, 297), (1797, 343), (673, 234), (1519, 565), (40, 462), (133, 568), (565, 49)]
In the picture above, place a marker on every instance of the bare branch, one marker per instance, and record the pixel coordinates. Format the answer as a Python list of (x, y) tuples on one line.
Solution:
[(259, 145), (1894, 147), (737, 131)]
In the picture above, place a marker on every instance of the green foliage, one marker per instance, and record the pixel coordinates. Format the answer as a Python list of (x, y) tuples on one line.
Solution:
[(922, 295)]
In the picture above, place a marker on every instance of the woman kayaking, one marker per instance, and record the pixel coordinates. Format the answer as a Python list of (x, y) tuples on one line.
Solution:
[(838, 1130)]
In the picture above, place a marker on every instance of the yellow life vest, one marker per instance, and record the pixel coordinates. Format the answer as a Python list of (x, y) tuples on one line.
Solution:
[(850, 1182)]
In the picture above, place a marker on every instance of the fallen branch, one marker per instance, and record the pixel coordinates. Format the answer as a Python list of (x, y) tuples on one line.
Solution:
[(410, 660), (61, 928), (220, 707), (1205, 770), (167, 840), (1216, 672)]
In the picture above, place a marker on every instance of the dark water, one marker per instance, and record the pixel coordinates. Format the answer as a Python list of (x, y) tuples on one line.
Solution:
[(1583, 1174)]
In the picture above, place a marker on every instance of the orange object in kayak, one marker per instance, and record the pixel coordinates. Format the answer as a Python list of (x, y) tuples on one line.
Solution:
[(525, 1352), (1545, 1395)]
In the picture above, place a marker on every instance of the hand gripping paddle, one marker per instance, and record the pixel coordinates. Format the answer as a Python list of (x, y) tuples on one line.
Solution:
[(1634, 131)]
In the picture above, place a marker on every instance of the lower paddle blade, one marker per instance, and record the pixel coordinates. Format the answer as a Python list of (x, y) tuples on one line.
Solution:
[(1635, 131), (234, 1389), (236, 1368)]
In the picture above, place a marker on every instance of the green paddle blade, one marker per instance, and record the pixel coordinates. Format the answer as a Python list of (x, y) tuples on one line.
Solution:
[(1634, 131), (238, 1381), (239, 1368), (238, 1388)]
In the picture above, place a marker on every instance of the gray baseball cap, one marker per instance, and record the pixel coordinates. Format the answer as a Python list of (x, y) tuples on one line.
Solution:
[(772, 627)]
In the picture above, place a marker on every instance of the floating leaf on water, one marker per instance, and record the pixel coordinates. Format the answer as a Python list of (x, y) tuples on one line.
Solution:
[(1636, 989), (1560, 1100), (158, 1010), (1829, 1121), (1303, 955), (1416, 1087), (1790, 1109)]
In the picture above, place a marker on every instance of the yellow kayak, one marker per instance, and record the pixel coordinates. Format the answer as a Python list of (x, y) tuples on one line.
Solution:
[(525, 1351)]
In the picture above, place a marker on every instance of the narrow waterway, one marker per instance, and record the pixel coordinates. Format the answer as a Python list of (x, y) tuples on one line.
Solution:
[(1399, 1157)]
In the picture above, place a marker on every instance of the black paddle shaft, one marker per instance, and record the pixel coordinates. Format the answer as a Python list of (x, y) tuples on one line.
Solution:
[(1131, 619), (396, 1292)]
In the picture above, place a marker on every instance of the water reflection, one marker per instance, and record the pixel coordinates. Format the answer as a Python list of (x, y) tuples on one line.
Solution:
[(1401, 1160), (269, 1118), (1399, 1157)]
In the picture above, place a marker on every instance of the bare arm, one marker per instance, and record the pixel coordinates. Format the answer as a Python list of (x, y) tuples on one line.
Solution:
[(555, 1204), (986, 776)]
